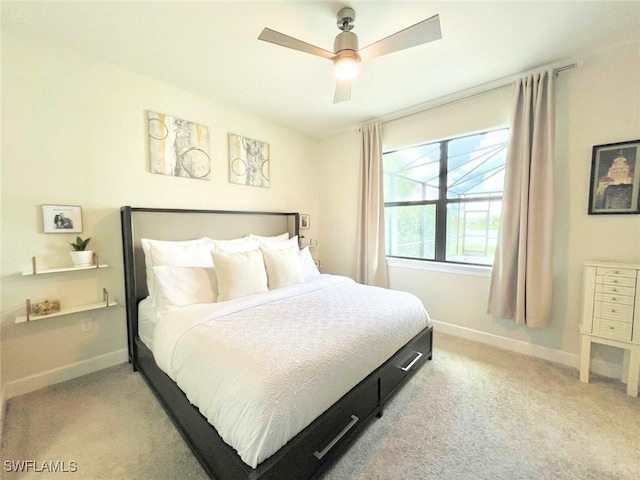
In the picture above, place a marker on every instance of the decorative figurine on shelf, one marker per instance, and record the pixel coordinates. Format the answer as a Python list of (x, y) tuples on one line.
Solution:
[(80, 256), (45, 307)]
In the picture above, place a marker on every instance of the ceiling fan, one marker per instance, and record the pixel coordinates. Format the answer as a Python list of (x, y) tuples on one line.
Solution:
[(346, 56)]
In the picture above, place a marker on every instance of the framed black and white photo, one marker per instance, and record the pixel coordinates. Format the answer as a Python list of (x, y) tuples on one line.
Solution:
[(62, 218), (615, 178), (305, 221)]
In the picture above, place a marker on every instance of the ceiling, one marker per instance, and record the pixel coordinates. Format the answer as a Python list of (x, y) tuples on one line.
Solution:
[(211, 48)]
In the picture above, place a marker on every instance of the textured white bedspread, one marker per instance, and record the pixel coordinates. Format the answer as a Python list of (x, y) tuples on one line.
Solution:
[(261, 368)]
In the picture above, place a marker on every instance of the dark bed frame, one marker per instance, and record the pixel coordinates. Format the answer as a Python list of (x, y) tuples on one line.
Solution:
[(312, 450)]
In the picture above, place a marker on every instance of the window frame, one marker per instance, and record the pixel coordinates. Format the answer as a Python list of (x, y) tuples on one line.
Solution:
[(442, 202)]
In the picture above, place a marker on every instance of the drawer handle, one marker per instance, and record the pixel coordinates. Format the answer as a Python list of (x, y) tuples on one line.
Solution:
[(616, 272), (614, 290), (614, 299), (413, 362), (613, 310), (344, 431)]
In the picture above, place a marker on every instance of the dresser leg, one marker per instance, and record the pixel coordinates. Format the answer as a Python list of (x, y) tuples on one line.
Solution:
[(625, 365), (634, 371), (585, 358)]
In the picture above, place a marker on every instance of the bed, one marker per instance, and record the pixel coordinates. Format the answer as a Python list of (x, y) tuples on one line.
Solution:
[(290, 375)]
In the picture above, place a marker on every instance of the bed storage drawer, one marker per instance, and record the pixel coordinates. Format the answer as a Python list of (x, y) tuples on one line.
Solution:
[(322, 441), (351, 415), (406, 361)]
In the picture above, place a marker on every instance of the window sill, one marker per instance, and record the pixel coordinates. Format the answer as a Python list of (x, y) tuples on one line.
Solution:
[(456, 268)]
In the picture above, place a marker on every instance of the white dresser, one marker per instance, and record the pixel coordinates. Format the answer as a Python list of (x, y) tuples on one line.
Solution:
[(611, 316)]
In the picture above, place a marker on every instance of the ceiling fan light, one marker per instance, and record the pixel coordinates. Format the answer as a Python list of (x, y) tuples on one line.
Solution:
[(345, 68)]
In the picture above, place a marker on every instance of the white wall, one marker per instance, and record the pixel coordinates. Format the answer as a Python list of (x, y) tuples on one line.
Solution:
[(596, 104), (339, 175), (490, 111), (2, 399), (75, 133)]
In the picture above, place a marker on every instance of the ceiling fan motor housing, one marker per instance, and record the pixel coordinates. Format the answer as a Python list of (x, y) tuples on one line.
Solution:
[(345, 41), (345, 63)]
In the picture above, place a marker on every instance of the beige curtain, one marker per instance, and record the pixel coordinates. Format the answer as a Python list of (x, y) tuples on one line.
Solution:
[(371, 260), (521, 280)]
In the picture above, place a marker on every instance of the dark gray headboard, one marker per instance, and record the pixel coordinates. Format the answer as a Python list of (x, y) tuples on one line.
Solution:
[(177, 224)]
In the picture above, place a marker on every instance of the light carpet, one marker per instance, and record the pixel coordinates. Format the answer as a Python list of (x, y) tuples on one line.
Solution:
[(473, 412)]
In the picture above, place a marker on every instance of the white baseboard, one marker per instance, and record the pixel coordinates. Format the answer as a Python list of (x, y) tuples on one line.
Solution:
[(558, 356), (64, 373)]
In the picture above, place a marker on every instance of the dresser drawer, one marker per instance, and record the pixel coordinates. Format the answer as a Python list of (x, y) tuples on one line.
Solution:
[(615, 298), (616, 272), (612, 329), (613, 280), (616, 289), (612, 311)]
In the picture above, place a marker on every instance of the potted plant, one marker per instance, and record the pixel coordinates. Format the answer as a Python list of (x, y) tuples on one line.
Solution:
[(80, 256)]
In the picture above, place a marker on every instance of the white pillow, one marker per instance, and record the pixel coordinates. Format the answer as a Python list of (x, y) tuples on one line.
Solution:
[(195, 255), (181, 286), (243, 244), (282, 244), (269, 240), (147, 243), (198, 255), (308, 266), (239, 274), (283, 266)]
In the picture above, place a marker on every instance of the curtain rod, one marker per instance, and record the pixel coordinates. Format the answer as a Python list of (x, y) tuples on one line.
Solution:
[(472, 92)]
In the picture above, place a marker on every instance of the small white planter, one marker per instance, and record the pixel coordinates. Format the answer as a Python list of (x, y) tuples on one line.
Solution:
[(83, 258)]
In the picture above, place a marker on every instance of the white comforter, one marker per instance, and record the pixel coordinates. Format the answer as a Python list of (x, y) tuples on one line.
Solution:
[(263, 367)]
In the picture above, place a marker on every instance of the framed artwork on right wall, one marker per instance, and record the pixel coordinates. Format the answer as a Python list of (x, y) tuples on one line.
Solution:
[(615, 178)]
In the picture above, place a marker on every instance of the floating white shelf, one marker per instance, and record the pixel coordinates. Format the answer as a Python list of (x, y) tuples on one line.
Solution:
[(105, 303), (63, 269), (34, 267), (66, 311)]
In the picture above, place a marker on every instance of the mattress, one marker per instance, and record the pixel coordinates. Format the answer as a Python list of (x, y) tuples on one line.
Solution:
[(263, 367)]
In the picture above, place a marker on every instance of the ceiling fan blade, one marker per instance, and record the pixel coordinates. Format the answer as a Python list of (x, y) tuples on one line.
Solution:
[(283, 40), (343, 91), (425, 31)]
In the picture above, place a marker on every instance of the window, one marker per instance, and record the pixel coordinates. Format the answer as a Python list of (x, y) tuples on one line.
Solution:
[(443, 200)]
